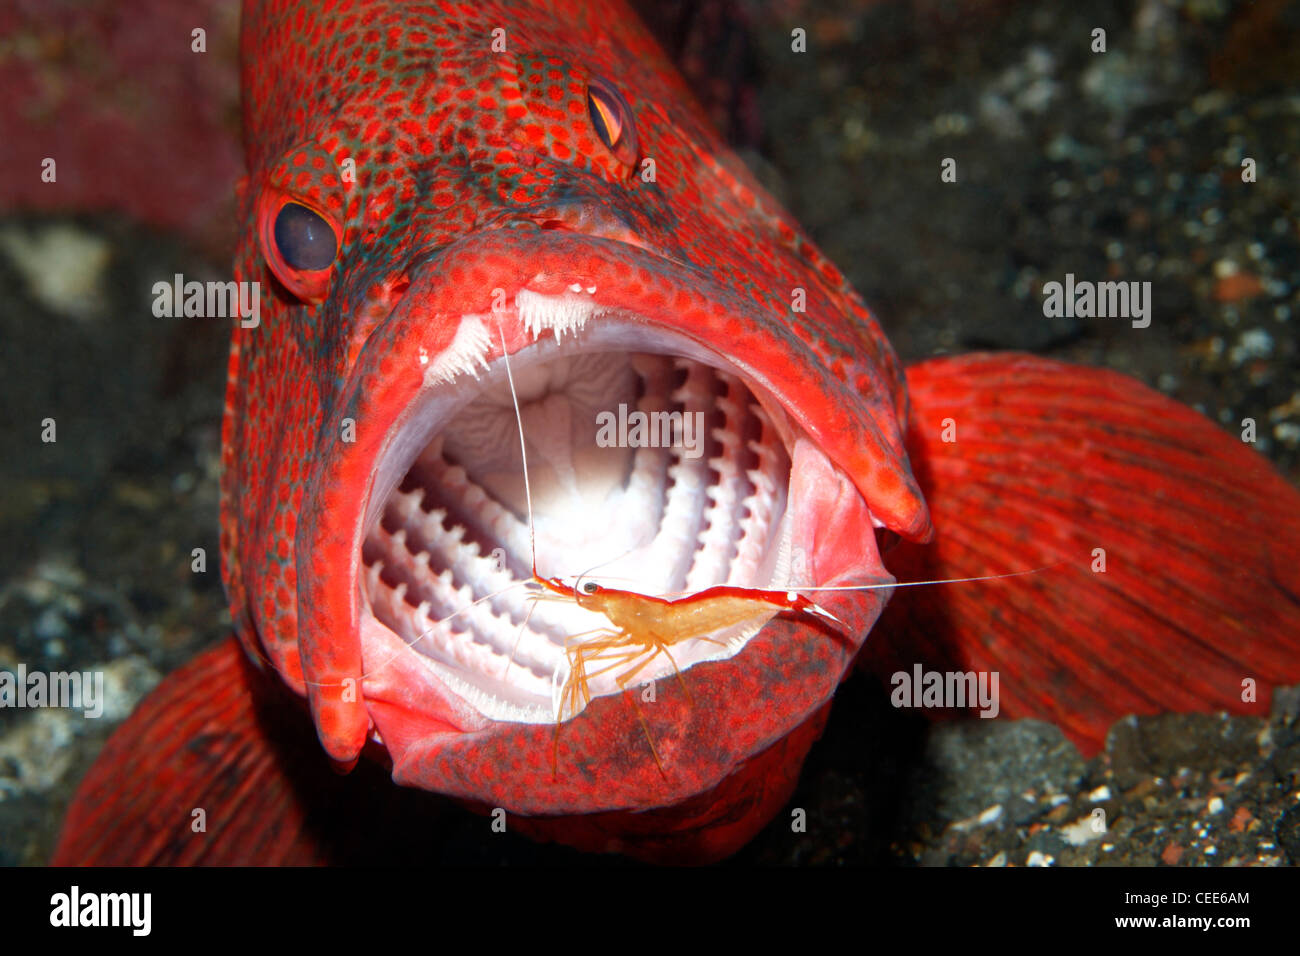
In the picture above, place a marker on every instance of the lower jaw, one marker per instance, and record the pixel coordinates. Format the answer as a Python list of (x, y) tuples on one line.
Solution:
[(705, 828), (654, 747)]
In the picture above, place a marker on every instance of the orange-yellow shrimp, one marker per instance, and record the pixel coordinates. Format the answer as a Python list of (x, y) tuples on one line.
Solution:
[(644, 626)]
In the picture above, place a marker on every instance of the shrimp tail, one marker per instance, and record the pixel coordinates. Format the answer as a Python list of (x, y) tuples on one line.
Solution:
[(1179, 548), (797, 602)]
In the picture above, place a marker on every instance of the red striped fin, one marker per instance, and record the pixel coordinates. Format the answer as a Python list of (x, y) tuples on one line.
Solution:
[(195, 743), (1201, 540), (220, 736)]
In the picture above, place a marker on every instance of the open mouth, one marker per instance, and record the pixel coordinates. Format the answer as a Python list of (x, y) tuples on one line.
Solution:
[(654, 466)]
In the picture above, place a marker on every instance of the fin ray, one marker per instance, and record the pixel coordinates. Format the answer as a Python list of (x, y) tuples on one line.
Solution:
[(194, 743), (1201, 540)]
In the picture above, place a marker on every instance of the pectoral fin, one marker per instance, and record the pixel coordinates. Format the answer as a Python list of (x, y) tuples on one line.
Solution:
[(1173, 548)]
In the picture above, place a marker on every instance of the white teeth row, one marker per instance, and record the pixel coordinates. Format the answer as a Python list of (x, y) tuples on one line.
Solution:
[(765, 505), (503, 644), (673, 549), (447, 623), (714, 559), (726, 541), (421, 535), (650, 465), (542, 641), (500, 524)]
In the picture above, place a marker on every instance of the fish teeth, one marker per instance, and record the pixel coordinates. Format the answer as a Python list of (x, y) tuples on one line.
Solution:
[(447, 622), (719, 525), (696, 392), (405, 506), (466, 353), (455, 640), (372, 577), (558, 314), (766, 503), (723, 527)]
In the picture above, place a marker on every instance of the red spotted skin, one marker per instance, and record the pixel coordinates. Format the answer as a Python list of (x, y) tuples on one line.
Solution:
[(478, 170)]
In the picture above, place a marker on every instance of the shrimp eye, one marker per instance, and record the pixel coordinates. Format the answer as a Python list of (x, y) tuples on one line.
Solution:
[(591, 587), (612, 119), (304, 238)]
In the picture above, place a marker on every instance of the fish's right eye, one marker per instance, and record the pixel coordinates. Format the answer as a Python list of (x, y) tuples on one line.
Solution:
[(299, 242), (304, 238)]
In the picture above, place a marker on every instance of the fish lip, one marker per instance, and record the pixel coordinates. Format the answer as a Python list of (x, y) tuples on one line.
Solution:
[(443, 718)]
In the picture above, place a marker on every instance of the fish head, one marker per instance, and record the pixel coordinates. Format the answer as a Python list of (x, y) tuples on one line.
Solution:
[(453, 213)]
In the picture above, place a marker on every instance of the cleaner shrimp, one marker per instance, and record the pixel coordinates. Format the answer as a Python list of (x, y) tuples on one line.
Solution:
[(644, 626)]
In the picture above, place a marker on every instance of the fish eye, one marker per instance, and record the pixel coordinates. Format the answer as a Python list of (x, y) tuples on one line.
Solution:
[(304, 238), (612, 119), (591, 587)]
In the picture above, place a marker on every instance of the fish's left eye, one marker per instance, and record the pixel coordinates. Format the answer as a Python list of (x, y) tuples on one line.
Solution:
[(591, 587), (612, 119)]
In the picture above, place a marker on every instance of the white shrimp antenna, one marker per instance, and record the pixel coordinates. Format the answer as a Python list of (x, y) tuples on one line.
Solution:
[(917, 584), (523, 450)]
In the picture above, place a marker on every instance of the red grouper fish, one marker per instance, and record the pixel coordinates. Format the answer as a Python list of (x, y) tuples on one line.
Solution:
[(703, 401)]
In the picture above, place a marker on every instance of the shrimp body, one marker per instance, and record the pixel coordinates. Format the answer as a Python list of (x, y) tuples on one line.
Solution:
[(662, 623), (642, 626), (665, 622)]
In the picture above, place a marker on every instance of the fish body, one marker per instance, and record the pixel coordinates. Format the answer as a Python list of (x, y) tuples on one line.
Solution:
[(466, 182)]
